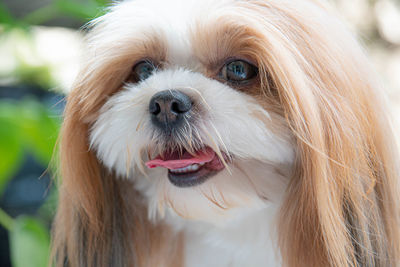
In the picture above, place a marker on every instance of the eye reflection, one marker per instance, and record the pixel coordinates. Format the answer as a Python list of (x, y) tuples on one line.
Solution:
[(142, 70), (238, 71)]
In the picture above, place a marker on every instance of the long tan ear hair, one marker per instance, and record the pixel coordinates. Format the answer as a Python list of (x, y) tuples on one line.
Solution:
[(101, 220), (341, 207)]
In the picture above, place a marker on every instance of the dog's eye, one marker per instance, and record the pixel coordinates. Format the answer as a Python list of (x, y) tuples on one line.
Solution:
[(142, 71), (238, 71)]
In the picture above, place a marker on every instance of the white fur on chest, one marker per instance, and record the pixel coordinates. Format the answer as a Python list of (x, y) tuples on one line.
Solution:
[(246, 241)]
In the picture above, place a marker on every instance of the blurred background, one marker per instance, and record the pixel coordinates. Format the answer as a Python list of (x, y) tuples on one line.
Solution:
[(40, 44)]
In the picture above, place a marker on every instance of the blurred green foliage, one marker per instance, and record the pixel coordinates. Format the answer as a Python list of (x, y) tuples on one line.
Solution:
[(29, 243), (37, 75), (82, 10), (29, 126), (26, 125)]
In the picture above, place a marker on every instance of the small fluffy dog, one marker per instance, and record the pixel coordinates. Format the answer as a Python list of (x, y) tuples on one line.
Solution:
[(226, 133)]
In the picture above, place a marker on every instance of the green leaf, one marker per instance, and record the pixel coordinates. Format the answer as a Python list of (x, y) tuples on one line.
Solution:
[(84, 11), (5, 15), (39, 129), (8, 22), (25, 125), (29, 243), (102, 2), (41, 15), (30, 74), (10, 143)]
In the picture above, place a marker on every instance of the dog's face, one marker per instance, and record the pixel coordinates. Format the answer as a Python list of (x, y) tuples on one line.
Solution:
[(197, 121)]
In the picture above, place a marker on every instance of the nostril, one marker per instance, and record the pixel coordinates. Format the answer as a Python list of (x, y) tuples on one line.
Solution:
[(180, 106), (175, 107), (154, 108)]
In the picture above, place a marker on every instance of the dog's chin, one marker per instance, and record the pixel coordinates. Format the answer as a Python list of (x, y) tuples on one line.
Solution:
[(190, 178), (209, 188)]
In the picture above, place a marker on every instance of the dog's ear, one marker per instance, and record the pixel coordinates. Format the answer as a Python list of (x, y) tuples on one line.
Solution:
[(91, 225), (342, 203), (341, 207)]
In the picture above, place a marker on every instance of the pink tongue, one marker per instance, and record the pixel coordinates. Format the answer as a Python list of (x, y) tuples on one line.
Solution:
[(174, 161)]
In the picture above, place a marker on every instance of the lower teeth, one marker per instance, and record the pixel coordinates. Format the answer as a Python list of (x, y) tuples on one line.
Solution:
[(190, 168)]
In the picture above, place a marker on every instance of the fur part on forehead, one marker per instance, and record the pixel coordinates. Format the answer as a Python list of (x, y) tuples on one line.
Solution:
[(226, 133)]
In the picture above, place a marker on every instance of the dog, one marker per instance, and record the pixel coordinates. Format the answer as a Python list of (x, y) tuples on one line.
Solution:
[(226, 133)]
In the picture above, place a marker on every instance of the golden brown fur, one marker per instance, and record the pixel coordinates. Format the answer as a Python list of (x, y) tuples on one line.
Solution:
[(341, 206)]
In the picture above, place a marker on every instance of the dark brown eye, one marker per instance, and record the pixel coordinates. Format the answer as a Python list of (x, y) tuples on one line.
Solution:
[(238, 71), (142, 70)]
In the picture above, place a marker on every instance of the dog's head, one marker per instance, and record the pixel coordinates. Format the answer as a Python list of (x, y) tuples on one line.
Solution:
[(214, 108), (196, 104)]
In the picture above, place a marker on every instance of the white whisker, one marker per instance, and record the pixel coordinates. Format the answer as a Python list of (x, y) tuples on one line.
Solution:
[(201, 96)]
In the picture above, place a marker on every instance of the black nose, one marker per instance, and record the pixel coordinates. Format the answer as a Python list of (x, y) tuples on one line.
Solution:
[(168, 108)]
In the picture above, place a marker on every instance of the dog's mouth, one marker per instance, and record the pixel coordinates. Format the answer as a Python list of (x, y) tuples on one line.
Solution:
[(186, 169)]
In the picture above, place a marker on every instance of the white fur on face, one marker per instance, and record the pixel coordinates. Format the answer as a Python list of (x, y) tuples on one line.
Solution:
[(226, 120), (123, 133)]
